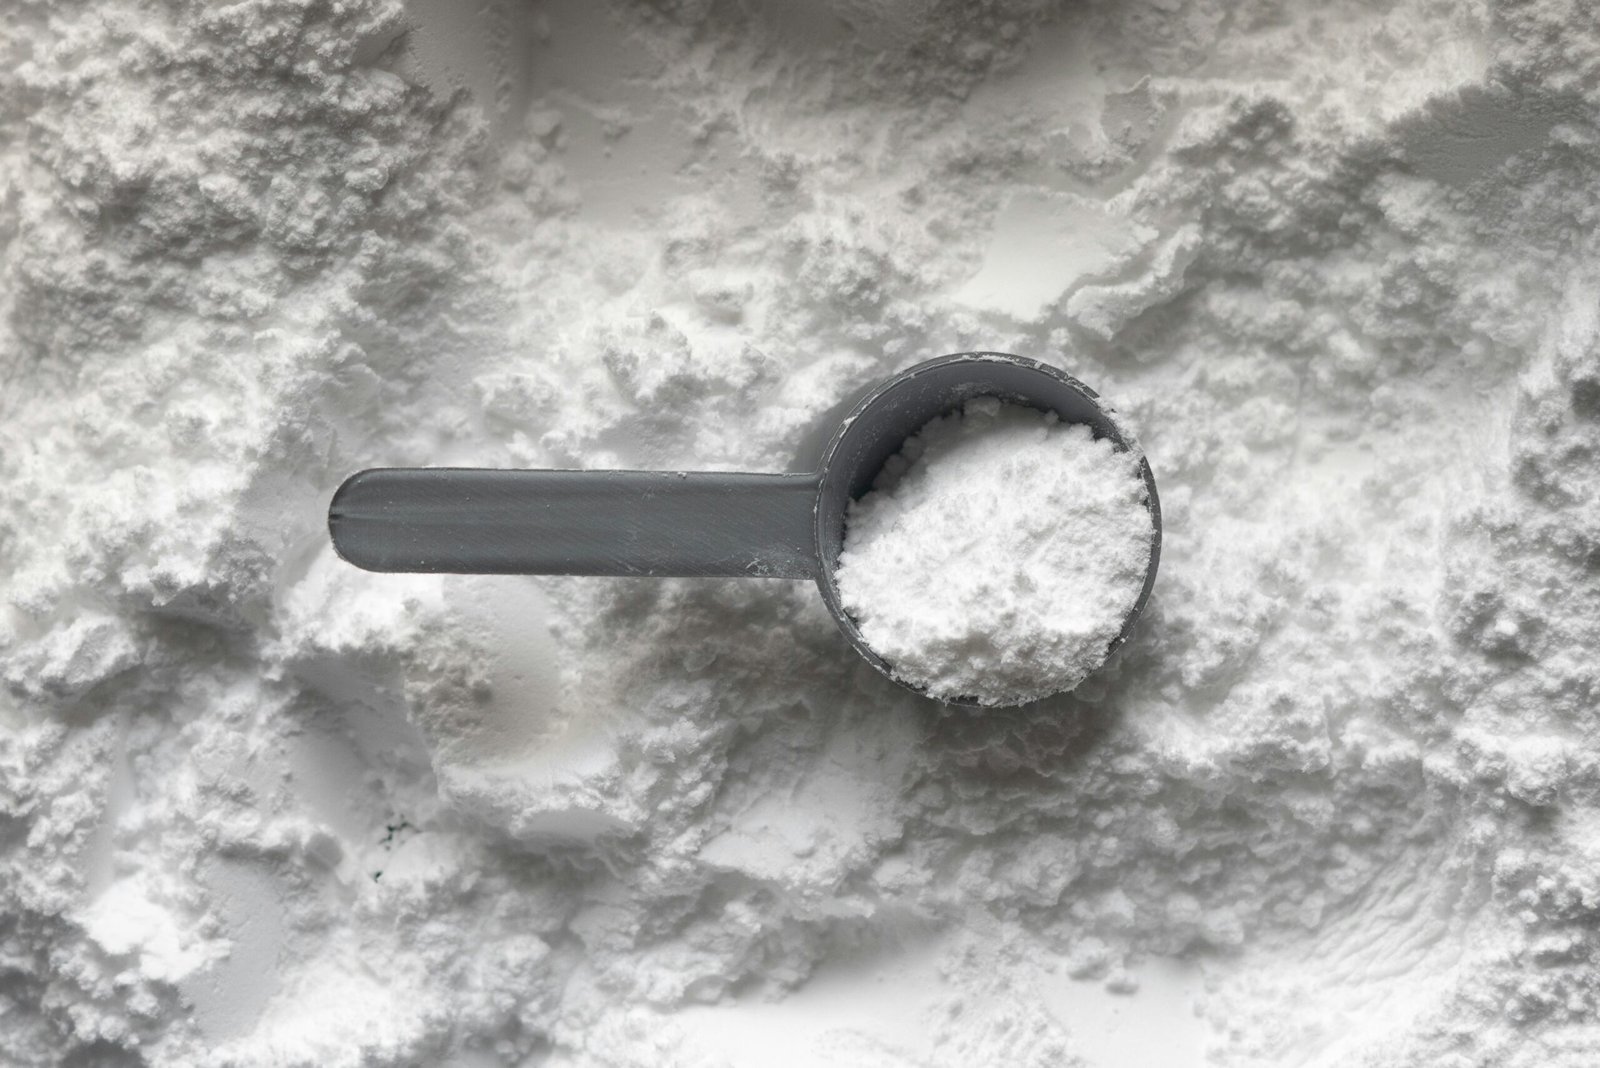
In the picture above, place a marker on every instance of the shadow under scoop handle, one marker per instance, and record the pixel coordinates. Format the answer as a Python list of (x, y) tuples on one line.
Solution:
[(648, 523)]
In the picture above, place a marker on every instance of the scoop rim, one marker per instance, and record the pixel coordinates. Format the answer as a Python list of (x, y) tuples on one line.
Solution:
[(1112, 428)]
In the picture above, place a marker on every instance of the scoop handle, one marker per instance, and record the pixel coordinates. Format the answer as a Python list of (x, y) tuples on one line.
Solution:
[(645, 523)]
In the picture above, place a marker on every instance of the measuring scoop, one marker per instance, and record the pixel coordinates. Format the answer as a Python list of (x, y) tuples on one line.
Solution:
[(696, 524)]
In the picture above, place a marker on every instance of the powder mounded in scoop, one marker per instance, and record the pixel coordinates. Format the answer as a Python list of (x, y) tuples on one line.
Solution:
[(997, 555)]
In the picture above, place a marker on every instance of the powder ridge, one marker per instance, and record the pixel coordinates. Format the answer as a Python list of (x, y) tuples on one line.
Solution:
[(998, 555)]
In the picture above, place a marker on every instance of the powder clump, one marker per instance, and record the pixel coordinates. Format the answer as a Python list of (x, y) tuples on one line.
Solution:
[(998, 555)]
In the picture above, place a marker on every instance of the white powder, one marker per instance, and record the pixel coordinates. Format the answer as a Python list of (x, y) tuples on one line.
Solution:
[(1336, 802), (998, 555)]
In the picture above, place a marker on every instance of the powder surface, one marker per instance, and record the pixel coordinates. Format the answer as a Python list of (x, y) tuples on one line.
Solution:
[(998, 555), (1336, 802)]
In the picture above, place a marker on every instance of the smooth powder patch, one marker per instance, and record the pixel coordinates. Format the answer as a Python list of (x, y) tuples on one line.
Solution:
[(998, 554)]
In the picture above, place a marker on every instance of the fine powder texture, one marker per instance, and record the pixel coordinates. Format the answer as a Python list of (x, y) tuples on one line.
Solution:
[(998, 555), (1336, 802)]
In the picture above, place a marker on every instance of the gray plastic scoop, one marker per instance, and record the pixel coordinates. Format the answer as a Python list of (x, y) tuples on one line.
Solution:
[(694, 523)]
